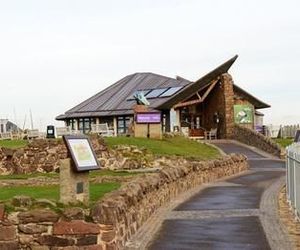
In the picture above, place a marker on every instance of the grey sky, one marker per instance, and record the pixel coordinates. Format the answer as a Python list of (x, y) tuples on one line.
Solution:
[(55, 54)]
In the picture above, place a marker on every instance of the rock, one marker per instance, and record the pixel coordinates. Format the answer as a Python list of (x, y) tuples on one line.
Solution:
[(45, 203), (36, 216), (75, 227), (33, 228), (7, 233), (25, 239), (51, 240), (21, 201), (74, 213), (2, 210)]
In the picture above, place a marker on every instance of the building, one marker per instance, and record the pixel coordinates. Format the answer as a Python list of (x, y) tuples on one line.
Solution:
[(6, 126), (213, 101)]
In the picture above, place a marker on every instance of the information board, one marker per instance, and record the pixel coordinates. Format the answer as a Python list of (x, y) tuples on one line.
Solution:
[(150, 117), (81, 152)]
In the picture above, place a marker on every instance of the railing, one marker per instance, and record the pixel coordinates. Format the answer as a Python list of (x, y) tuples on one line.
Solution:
[(293, 177), (286, 131)]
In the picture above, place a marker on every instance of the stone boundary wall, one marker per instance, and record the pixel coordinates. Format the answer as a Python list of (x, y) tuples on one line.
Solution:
[(115, 218), (253, 138), (44, 155)]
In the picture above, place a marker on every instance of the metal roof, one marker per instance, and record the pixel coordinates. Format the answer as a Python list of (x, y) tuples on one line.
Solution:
[(117, 98)]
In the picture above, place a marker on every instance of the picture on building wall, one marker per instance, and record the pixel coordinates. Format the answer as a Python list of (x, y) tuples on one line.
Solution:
[(243, 114)]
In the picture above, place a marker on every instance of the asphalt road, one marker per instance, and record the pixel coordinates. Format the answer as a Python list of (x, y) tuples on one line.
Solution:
[(229, 215)]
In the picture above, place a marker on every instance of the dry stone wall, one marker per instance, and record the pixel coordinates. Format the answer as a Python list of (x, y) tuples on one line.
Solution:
[(253, 138), (45, 155), (112, 221)]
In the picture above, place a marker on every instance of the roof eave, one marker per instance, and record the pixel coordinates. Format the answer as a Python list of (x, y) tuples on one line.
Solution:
[(190, 89)]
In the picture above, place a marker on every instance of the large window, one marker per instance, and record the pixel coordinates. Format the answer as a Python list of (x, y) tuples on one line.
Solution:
[(123, 124), (71, 123), (84, 124)]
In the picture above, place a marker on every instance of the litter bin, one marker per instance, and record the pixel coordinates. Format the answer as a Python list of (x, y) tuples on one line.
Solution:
[(50, 131)]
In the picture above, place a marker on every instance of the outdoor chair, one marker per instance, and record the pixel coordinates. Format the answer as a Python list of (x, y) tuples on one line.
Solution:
[(212, 134)]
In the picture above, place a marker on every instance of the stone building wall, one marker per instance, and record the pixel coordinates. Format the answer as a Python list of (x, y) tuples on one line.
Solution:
[(253, 138), (220, 100), (115, 218)]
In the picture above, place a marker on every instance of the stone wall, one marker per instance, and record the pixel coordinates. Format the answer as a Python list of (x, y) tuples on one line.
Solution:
[(115, 218), (220, 100), (127, 209), (253, 138), (45, 155)]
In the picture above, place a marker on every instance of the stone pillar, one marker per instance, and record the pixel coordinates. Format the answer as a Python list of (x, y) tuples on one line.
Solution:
[(74, 187), (115, 126), (228, 119)]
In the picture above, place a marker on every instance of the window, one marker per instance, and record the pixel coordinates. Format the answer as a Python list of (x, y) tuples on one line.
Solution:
[(155, 93), (123, 123), (84, 124), (171, 91)]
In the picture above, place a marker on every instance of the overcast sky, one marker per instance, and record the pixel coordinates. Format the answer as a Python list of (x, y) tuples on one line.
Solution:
[(55, 54)]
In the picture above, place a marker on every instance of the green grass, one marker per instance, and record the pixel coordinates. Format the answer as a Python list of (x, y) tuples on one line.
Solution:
[(52, 192), (13, 143), (284, 142), (104, 172), (178, 146)]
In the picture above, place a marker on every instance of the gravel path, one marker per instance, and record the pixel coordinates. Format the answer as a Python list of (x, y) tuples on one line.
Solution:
[(239, 212)]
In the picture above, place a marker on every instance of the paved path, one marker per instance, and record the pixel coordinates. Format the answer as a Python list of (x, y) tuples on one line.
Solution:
[(239, 213)]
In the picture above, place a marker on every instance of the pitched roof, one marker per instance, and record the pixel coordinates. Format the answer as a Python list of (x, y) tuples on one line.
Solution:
[(199, 84), (258, 104), (117, 98)]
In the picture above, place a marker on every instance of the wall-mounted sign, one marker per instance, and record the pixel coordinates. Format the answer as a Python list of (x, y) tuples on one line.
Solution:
[(150, 117), (81, 152), (243, 114)]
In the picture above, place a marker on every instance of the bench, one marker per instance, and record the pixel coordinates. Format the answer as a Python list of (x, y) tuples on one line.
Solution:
[(61, 131), (33, 133), (102, 129)]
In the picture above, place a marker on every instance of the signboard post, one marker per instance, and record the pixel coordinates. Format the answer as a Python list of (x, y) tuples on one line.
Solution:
[(149, 124), (74, 171)]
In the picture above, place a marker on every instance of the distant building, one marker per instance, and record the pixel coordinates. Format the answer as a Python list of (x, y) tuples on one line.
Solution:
[(6, 126), (213, 101)]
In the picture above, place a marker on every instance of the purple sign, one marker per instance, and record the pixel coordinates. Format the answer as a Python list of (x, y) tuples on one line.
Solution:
[(148, 118)]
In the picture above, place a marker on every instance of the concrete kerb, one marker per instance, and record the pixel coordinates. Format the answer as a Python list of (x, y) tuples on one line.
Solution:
[(213, 146), (146, 233), (275, 231)]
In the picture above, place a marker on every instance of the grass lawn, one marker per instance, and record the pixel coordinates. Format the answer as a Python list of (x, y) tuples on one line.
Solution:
[(104, 172), (178, 146), (52, 192), (284, 142), (13, 143)]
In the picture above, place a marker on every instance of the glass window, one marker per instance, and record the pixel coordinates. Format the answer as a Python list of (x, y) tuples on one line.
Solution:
[(171, 91), (123, 123), (155, 93)]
